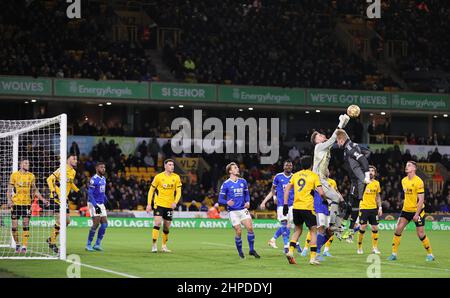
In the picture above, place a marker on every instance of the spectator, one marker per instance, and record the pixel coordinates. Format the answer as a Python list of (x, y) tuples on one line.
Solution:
[(154, 148), (294, 153), (74, 150), (213, 212), (435, 156)]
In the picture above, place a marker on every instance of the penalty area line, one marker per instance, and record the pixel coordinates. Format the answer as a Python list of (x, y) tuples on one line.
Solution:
[(102, 269), (90, 266)]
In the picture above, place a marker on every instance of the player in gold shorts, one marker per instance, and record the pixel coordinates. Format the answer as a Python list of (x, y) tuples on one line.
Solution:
[(53, 184), (413, 209), (167, 186), (369, 211), (304, 183), (21, 190)]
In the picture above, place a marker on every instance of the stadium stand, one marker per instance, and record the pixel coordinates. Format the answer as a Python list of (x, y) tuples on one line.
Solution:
[(42, 42)]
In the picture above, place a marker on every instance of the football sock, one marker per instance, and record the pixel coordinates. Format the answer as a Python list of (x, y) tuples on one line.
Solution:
[(361, 237), (165, 237), (251, 241), (396, 243), (238, 242), (155, 233), (374, 238), (25, 236), (426, 244), (101, 233), (91, 235)]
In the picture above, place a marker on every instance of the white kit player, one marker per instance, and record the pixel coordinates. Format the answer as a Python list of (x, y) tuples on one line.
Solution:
[(322, 156)]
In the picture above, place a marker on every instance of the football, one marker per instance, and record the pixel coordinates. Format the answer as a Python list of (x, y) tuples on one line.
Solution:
[(353, 111)]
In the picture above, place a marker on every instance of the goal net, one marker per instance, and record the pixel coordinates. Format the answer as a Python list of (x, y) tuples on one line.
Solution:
[(26, 221)]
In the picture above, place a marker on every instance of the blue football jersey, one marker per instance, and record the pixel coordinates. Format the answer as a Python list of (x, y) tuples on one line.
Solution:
[(236, 191), (280, 181), (320, 206), (97, 188)]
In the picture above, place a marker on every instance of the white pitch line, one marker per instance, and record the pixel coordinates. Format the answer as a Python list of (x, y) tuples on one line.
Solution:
[(93, 267), (103, 269)]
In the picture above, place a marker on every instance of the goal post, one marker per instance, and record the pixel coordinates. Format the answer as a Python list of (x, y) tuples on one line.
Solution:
[(43, 143)]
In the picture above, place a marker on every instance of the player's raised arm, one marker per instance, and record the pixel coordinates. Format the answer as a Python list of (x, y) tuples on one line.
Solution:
[(343, 120)]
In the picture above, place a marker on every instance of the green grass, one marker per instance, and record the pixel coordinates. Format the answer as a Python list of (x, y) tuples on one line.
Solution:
[(211, 253)]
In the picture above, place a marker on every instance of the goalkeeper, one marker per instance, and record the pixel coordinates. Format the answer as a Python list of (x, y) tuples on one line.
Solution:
[(53, 184), (322, 156)]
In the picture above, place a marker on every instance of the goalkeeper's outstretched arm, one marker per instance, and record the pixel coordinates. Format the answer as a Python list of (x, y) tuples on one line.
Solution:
[(343, 120)]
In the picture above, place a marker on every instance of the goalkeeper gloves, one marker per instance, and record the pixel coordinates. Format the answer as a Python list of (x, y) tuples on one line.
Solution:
[(343, 120), (367, 177), (98, 210), (285, 209)]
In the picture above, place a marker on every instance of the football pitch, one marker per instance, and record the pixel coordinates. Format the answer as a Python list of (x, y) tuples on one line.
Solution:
[(206, 253)]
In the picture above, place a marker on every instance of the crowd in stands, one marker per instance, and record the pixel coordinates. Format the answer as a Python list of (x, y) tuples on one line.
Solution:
[(289, 44), (254, 42), (36, 40), (421, 24)]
